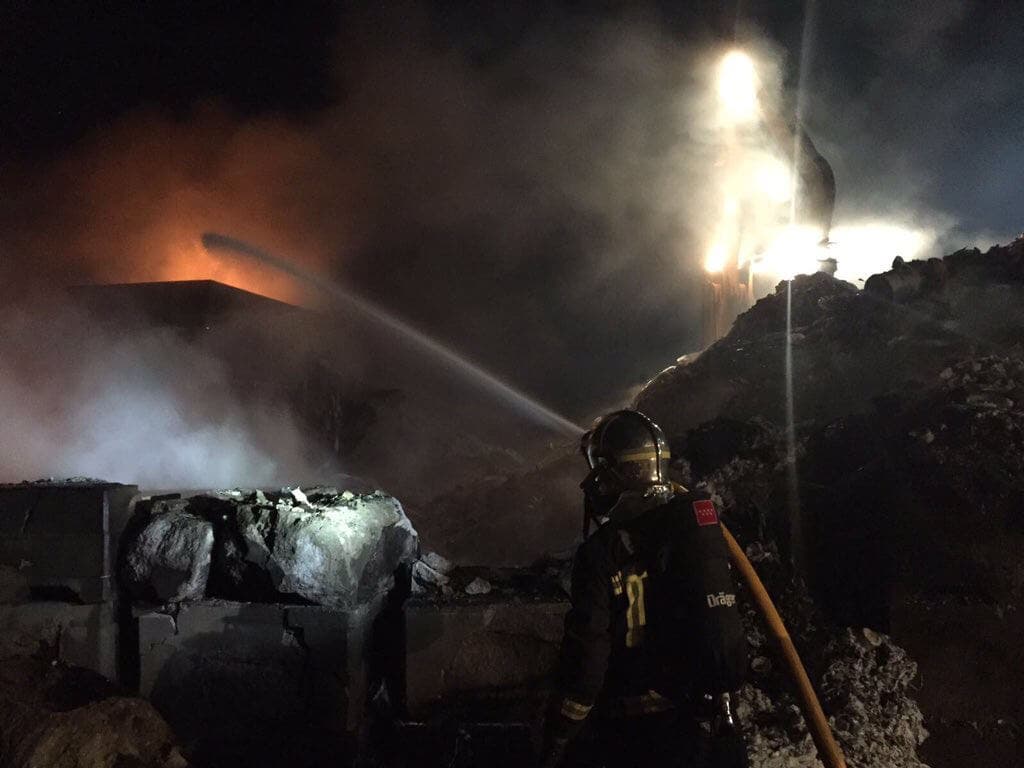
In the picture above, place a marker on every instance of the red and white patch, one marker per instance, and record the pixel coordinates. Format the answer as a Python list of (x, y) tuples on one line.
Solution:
[(705, 512)]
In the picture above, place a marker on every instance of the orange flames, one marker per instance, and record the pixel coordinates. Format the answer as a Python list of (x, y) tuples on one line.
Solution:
[(131, 202), (186, 258)]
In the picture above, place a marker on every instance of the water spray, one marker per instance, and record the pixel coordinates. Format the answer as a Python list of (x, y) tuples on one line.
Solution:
[(522, 402)]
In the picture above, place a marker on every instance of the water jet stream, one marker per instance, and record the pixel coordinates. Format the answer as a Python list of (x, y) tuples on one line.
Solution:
[(522, 402)]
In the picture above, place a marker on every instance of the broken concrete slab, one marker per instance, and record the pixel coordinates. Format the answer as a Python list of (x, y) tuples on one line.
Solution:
[(424, 576), (437, 562), (62, 537)]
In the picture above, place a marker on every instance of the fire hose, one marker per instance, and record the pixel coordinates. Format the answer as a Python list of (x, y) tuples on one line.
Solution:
[(828, 749)]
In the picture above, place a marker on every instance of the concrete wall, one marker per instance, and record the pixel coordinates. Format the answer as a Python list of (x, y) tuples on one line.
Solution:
[(80, 635), (62, 537), (259, 684), (58, 558)]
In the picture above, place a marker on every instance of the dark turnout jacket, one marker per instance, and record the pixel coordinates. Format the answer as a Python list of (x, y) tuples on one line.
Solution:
[(653, 619)]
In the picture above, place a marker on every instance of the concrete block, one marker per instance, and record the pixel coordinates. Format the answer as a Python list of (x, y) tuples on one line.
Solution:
[(470, 651), (271, 676), (63, 536), (81, 635)]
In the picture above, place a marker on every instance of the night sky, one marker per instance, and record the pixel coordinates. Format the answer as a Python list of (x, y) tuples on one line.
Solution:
[(493, 172)]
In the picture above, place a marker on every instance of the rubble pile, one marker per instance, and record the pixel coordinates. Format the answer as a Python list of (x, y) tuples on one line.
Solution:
[(903, 509), (849, 346), (865, 678), (436, 579), (324, 546), (865, 688), (507, 520)]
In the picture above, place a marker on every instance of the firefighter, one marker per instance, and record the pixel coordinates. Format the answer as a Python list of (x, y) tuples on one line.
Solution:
[(653, 642)]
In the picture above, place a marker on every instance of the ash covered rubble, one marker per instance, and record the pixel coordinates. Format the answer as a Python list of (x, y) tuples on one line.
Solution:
[(437, 579), (910, 466), (864, 678)]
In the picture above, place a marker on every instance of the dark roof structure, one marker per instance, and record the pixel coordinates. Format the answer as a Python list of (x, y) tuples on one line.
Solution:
[(187, 305)]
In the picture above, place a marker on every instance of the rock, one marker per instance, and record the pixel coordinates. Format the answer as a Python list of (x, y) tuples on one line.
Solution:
[(337, 548), (426, 576), (438, 562), (478, 586), (115, 732), (67, 717), (168, 554), (342, 550)]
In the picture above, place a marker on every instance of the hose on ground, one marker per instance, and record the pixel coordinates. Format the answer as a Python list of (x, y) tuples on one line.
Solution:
[(828, 749)]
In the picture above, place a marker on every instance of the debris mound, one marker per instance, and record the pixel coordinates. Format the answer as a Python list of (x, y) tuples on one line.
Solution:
[(848, 346), (902, 510)]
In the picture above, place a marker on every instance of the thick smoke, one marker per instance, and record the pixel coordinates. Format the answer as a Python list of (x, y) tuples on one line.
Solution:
[(523, 191), (146, 408), (918, 106), (543, 208)]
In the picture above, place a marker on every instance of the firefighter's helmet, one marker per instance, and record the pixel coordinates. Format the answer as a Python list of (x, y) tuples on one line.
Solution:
[(626, 451)]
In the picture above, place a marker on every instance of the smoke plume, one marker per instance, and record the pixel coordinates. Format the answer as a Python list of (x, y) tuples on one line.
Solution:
[(544, 209), (147, 408)]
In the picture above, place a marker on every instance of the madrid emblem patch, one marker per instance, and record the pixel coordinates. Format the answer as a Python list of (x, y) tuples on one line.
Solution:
[(705, 512)]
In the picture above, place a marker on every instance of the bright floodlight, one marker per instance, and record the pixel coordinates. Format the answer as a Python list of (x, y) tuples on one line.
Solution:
[(794, 251), (737, 86), (715, 260)]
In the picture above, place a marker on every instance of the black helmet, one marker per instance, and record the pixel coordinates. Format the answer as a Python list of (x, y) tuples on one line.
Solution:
[(626, 451)]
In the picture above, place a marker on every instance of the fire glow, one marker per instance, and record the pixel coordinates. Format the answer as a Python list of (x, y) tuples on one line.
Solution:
[(187, 259)]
